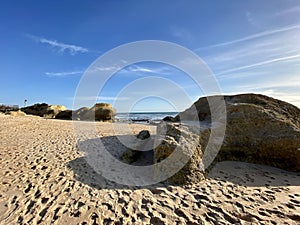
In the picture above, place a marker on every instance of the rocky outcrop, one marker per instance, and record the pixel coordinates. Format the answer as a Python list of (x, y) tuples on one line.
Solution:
[(64, 115), (99, 112), (44, 110), (259, 129), (103, 112)]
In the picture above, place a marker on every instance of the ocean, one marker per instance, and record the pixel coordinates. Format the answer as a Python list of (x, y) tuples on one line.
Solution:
[(143, 117)]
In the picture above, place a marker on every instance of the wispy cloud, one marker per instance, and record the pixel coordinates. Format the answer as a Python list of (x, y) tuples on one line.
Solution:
[(59, 46), (251, 19), (250, 66), (150, 69), (254, 36), (64, 74), (181, 33)]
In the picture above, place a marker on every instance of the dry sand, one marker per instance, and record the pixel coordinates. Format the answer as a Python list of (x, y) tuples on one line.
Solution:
[(46, 180)]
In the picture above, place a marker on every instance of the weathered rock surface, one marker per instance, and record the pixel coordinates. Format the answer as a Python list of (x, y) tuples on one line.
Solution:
[(44, 110), (103, 112), (182, 142), (259, 129), (99, 112), (262, 130), (133, 154)]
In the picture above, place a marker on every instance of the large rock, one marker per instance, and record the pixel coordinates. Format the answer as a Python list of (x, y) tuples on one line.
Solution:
[(99, 112), (64, 115), (262, 130), (44, 110), (180, 144), (259, 129), (104, 112)]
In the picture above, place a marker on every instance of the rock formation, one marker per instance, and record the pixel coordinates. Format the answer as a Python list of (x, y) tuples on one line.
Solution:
[(182, 142), (44, 110), (99, 112), (259, 129), (103, 112), (64, 115)]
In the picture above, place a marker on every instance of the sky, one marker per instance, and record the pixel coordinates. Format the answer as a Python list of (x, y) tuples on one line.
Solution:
[(46, 47)]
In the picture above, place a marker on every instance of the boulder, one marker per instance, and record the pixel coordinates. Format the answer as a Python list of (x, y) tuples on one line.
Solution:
[(65, 115), (180, 144), (100, 112), (259, 129), (262, 130), (144, 134), (44, 110), (104, 112), (171, 119)]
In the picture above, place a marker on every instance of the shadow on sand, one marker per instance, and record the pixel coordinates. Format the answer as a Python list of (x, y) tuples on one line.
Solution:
[(241, 173), (85, 168)]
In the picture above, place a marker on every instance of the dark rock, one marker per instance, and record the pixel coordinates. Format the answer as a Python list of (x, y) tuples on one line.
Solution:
[(171, 119), (133, 154), (65, 115), (144, 134), (44, 110)]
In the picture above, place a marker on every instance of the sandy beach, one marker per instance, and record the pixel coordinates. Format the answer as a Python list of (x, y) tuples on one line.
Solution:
[(45, 179)]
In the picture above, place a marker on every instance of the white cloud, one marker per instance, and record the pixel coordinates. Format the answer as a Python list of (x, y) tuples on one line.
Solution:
[(153, 69), (262, 63), (61, 47), (63, 74), (254, 36)]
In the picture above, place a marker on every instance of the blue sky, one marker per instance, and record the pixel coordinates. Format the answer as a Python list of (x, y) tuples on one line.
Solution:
[(250, 46)]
